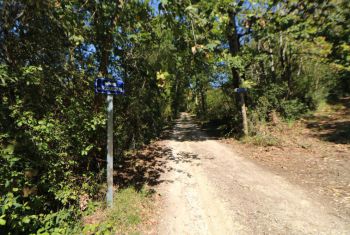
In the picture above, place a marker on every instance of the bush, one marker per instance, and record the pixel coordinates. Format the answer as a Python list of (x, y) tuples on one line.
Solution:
[(292, 109), (219, 105)]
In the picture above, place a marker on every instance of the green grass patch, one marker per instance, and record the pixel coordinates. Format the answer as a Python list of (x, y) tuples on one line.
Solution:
[(125, 217)]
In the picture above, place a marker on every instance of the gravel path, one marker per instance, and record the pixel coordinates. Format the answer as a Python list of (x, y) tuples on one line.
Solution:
[(211, 190)]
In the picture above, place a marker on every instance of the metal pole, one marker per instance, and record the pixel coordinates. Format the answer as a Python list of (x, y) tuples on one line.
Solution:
[(110, 150)]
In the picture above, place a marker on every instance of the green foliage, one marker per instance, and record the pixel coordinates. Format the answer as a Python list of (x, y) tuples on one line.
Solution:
[(52, 124), (219, 105), (281, 52), (289, 55), (292, 108)]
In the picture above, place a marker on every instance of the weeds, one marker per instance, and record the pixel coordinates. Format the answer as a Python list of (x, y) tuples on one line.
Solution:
[(124, 218), (262, 140)]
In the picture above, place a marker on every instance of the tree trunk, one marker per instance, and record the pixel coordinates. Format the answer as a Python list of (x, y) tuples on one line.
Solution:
[(203, 102), (286, 65), (233, 40), (244, 115), (272, 63)]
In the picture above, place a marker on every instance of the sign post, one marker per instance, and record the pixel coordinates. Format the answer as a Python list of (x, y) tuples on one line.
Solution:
[(109, 87), (109, 150), (240, 90)]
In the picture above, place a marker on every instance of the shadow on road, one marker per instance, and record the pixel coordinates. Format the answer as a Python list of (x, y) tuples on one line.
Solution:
[(147, 165), (142, 168), (185, 129)]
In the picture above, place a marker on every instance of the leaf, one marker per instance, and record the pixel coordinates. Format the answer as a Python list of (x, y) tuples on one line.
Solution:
[(212, 45), (2, 222), (26, 220), (248, 83), (191, 10)]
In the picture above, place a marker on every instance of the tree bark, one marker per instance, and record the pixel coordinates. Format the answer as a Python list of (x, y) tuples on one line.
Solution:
[(272, 63), (244, 115), (203, 102), (234, 44)]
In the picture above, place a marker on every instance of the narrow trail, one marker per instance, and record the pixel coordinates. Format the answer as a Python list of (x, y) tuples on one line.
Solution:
[(211, 190)]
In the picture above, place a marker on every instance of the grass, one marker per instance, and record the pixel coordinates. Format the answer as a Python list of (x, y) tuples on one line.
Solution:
[(126, 216), (262, 140)]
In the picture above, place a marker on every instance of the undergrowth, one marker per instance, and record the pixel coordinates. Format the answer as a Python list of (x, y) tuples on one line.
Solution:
[(126, 216), (262, 140)]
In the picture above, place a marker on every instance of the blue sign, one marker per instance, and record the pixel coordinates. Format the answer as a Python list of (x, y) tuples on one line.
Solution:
[(241, 90), (109, 86)]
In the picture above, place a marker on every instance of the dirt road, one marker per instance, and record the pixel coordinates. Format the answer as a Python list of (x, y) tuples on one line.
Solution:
[(212, 190)]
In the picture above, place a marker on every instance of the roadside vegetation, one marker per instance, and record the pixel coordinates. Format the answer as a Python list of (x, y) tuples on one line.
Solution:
[(173, 55), (131, 209)]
